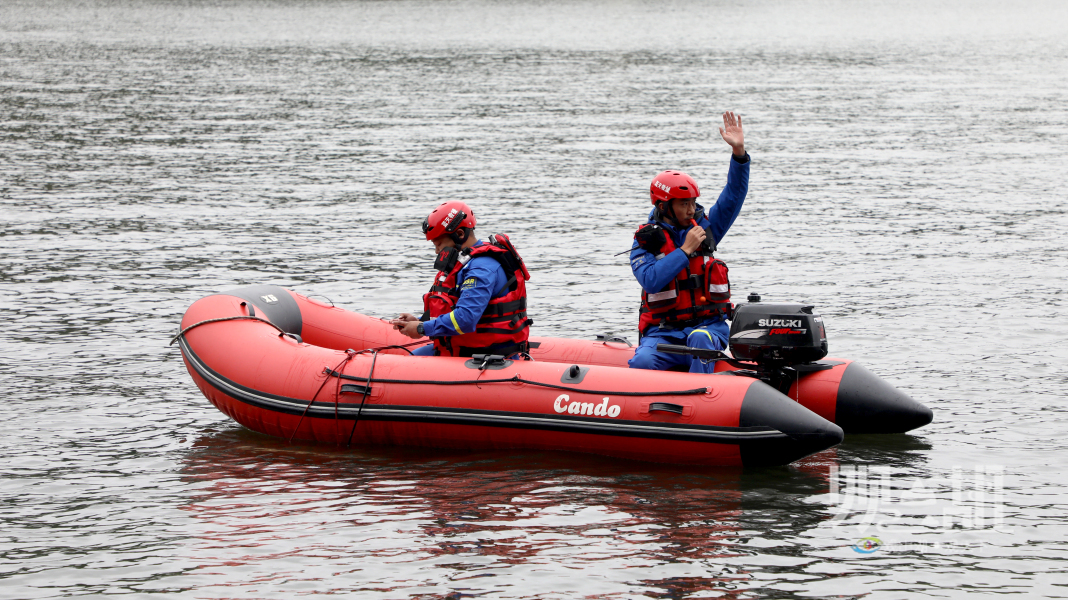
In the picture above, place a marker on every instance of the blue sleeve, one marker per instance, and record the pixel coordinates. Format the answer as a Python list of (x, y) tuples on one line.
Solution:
[(654, 274), (726, 209), (480, 281)]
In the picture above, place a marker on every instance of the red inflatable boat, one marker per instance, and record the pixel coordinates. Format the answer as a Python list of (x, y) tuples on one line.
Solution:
[(292, 367), (839, 390)]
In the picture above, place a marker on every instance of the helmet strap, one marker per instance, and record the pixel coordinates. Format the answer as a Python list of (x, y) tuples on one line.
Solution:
[(460, 235), (665, 211)]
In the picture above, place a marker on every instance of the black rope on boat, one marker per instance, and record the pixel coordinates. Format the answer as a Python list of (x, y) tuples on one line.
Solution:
[(396, 347), (283, 332), (518, 379), (349, 354), (321, 296), (236, 318), (366, 392), (337, 400)]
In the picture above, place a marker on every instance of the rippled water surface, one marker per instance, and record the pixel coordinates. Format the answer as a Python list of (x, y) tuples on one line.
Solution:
[(908, 179)]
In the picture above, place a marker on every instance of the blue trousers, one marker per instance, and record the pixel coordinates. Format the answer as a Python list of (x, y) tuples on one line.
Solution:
[(710, 336), (427, 350)]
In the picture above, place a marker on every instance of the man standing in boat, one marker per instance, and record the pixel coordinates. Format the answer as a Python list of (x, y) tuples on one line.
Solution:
[(685, 291), (478, 301)]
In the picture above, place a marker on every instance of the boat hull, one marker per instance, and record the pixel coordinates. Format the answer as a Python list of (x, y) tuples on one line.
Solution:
[(305, 390)]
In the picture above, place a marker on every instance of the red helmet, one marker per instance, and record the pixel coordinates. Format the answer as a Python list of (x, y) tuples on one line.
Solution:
[(447, 218), (672, 184)]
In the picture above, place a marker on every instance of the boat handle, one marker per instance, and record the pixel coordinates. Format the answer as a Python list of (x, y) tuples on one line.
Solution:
[(296, 338), (666, 407), (607, 337)]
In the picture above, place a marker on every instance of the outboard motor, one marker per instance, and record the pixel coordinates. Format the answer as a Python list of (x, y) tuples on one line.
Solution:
[(777, 335), (773, 342)]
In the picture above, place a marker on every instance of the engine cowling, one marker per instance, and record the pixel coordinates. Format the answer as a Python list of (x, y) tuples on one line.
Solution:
[(777, 334)]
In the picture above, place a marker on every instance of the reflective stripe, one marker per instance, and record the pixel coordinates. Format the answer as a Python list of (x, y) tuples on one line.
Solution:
[(720, 288), (657, 297), (704, 332), (452, 316), (659, 256)]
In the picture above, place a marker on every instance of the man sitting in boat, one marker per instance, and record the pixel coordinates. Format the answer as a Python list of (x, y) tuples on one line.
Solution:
[(685, 291), (478, 301)]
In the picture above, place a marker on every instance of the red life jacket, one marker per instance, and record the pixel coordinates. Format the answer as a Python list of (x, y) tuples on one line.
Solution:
[(701, 290), (504, 325)]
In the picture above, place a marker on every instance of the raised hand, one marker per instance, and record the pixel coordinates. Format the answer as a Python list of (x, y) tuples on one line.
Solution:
[(731, 132)]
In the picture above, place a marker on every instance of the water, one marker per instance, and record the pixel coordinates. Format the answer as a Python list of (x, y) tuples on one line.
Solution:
[(908, 180)]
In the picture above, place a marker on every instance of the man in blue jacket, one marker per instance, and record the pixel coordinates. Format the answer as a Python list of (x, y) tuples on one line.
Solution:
[(478, 301), (685, 291)]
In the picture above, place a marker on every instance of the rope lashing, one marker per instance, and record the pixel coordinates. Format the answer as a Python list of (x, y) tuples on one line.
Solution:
[(517, 379), (366, 391), (219, 319), (349, 354)]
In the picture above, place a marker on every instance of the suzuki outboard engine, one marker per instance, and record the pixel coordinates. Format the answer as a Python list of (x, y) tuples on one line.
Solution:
[(777, 334), (773, 342)]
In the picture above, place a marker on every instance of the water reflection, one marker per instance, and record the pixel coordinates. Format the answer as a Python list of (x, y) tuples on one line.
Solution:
[(491, 521), (900, 452)]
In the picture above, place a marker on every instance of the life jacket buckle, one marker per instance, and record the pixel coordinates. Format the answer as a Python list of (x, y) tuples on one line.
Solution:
[(693, 282)]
